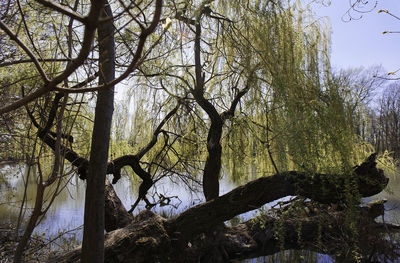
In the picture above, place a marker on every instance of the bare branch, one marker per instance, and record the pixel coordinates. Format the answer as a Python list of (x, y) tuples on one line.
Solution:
[(137, 60), (14, 37), (157, 131), (22, 61), (91, 22), (59, 8)]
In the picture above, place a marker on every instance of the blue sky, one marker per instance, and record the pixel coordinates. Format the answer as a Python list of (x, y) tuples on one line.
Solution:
[(360, 42)]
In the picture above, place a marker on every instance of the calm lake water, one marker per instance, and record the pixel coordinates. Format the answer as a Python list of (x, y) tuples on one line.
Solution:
[(66, 213)]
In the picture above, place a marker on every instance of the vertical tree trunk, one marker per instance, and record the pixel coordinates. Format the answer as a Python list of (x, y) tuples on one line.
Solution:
[(93, 233), (212, 166)]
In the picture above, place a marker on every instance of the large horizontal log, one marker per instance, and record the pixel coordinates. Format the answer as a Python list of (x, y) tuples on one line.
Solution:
[(322, 188)]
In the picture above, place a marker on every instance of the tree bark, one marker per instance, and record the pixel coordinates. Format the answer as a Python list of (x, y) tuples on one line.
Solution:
[(116, 215), (212, 166), (322, 233), (146, 239), (36, 213), (93, 231)]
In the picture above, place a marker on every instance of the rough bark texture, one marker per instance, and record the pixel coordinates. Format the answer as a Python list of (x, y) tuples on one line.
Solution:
[(93, 230), (116, 215), (197, 234), (143, 240)]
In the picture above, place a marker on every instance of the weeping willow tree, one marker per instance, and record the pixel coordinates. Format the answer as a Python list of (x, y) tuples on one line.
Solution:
[(298, 112), (294, 113)]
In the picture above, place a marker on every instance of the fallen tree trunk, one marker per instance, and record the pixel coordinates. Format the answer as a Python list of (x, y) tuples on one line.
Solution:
[(150, 238), (266, 235), (115, 214), (318, 187)]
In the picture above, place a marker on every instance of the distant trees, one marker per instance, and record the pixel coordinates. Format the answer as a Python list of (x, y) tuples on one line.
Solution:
[(384, 120), (387, 121), (373, 102)]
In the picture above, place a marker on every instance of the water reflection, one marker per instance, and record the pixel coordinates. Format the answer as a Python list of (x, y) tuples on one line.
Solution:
[(290, 256), (67, 210), (66, 213), (392, 195)]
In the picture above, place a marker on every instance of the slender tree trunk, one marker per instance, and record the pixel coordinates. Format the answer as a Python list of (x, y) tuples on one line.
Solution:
[(93, 233), (37, 212), (212, 166)]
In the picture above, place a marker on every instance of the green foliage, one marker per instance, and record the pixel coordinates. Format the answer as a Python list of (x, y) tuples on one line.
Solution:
[(297, 108)]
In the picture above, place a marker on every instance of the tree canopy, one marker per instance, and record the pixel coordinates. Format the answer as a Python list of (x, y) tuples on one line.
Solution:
[(202, 87)]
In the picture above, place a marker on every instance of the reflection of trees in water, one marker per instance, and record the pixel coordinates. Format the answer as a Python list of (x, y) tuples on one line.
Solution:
[(392, 194), (67, 210), (14, 180), (10, 199), (290, 256)]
